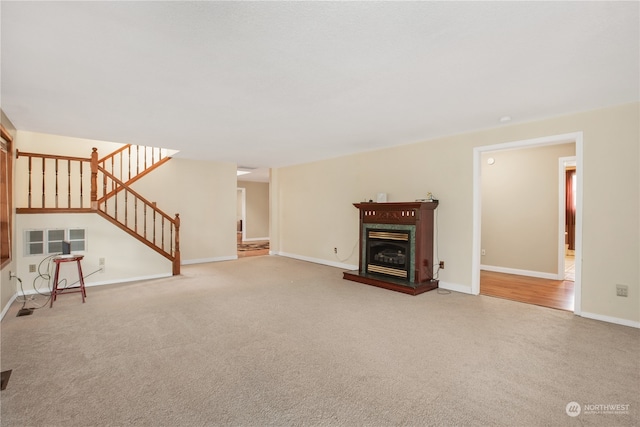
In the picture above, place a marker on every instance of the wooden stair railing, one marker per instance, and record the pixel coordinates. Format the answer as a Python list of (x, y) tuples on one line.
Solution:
[(54, 183), (58, 184), (129, 163), (139, 217)]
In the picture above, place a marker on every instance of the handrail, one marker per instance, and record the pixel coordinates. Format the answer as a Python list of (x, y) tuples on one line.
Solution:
[(51, 156), (59, 166), (113, 154), (60, 173), (169, 232), (131, 162), (130, 190)]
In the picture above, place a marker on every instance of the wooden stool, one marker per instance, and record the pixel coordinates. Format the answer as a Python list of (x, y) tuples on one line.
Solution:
[(55, 291)]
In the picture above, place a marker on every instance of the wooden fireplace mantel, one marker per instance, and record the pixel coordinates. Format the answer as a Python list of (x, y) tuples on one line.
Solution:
[(415, 216)]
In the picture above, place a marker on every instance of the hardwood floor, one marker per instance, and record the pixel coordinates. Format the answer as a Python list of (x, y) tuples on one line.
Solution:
[(258, 252), (249, 253), (557, 294)]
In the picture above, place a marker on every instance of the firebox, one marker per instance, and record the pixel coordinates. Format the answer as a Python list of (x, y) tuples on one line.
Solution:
[(388, 252)]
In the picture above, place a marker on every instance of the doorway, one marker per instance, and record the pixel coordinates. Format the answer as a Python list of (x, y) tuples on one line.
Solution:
[(241, 213), (567, 183), (252, 213), (556, 281)]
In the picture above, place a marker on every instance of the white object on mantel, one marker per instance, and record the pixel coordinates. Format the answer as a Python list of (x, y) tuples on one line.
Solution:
[(429, 198), (382, 197)]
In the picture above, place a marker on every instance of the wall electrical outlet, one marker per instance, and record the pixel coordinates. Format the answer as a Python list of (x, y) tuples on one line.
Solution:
[(101, 264), (483, 252), (32, 268), (442, 265), (622, 290), (335, 250)]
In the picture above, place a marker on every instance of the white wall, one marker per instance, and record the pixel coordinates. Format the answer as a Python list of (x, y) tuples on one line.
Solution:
[(203, 193), (44, 143), (126, 258), (520, 208), (34, 142), (312, 211), (315, 212), (256, 209)]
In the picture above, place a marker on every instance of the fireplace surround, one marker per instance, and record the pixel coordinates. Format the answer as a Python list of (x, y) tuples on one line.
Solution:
[(396, 246)]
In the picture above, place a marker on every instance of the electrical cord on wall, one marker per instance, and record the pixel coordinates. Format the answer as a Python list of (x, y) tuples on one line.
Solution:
[(65, 283), (437, 257), (350, 255), (436, 266), (25, 299), (84, 276), (44, 276)]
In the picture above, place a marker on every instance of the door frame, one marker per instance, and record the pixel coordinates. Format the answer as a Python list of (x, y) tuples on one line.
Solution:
[(577, 138), (243, 209), (563, 162)]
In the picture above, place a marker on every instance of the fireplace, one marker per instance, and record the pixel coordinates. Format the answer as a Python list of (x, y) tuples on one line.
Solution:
[(387, 252), (396, 246)]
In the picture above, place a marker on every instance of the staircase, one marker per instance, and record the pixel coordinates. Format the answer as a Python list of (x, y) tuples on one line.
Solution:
[(57, 184)]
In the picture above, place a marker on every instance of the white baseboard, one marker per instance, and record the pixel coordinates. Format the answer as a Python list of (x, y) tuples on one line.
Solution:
[(109, 282), (610, 319), (205, 260), (318, 261), (455, 287), (129, 279), (351, 267), (256, 239), (6, 307), (87, 285), (443, 285), (530, 273)]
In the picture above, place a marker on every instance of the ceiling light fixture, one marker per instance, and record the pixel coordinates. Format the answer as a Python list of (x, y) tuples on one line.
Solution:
[(505, 119), (243, 170)]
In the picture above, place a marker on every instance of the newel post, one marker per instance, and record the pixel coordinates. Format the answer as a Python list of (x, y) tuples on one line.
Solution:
[(94, 179), (176, 255)]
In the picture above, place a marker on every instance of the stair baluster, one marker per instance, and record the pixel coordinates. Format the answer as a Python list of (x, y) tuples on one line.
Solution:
[(113, 188)]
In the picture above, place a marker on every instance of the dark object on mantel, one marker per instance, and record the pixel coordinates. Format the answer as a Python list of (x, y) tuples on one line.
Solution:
[(404, 229)]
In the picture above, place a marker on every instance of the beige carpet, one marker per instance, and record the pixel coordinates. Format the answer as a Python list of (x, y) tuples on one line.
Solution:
[(275, 341)]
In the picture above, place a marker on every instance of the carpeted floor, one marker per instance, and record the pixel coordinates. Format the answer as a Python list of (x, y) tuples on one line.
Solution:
[(275, 341)]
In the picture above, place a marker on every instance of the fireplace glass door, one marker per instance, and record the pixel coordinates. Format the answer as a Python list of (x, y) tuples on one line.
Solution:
[(388, 252)]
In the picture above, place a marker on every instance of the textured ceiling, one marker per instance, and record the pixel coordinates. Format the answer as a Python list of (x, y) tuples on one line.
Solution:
[(268, 84)]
